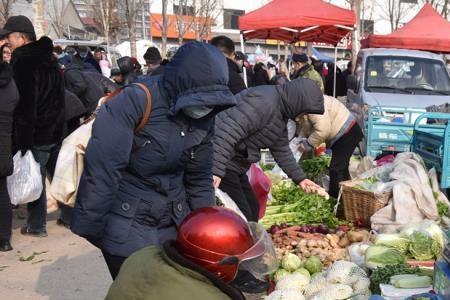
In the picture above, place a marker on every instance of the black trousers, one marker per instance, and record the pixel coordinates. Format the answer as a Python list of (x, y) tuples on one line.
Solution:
[(239, 189), (114, 263), (342, 151), (5, 212)]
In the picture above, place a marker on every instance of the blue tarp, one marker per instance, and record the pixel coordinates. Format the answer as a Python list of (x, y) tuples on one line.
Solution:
[(322, 57)]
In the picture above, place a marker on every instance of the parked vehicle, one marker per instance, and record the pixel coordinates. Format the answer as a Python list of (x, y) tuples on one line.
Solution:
[(391, 88)]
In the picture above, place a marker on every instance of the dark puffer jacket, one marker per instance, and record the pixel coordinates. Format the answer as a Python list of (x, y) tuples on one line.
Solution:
[(137, 188), (39, 116), (81, 82), (8, 102), (258, 122)]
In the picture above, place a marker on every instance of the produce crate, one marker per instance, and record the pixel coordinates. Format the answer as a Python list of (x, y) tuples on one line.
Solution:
[(360, 205), (441, 283), (432, 143)]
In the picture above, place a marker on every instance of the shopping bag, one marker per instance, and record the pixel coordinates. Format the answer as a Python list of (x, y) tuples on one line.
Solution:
[(261, 185), (25, 184), (70, 163), (226, 201)]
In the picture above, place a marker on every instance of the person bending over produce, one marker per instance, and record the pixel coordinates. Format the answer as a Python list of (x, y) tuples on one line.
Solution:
[(211, 245), (258, 122), (339, 130)]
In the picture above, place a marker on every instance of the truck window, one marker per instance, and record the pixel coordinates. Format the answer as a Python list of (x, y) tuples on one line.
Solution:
[(406, 74), (358, 72)]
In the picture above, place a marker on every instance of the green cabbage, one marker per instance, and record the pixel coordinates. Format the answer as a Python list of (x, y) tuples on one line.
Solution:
[(428, 232), (379, 256), (395, 241), (280, 274), (422, 246), (291, 262), (288, 294), (293, 281), (304, 272), (313, 265)]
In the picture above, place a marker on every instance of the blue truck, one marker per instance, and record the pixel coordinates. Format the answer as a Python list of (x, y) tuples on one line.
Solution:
[(390, 89)]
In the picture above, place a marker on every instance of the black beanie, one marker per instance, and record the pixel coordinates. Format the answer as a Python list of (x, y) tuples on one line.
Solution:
[(300, 57), (152, 55)]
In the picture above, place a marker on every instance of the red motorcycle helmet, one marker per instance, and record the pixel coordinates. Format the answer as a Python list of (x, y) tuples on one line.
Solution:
[(219, 240)]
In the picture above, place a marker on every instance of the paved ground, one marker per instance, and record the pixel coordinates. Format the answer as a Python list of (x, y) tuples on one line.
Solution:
[(62, 266)]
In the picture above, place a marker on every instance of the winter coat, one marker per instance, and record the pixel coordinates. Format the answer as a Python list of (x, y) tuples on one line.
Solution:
[(258, 122), (261, 76), (137, 188), (326, 128), (8, 101), (341, 83), (39, 116), (74, 106), (309, 72), (155, 273), (236, 83), (79, 82)]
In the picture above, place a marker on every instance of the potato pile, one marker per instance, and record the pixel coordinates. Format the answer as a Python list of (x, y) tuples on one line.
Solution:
[(328, 247)]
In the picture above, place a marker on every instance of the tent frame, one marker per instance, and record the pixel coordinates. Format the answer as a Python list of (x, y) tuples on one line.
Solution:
[(297, 31)]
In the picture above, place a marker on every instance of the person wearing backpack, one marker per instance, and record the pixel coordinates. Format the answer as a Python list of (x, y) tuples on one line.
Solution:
[(137, 187)]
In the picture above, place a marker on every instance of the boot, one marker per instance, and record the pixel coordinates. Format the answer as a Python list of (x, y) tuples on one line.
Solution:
[(5, 246)]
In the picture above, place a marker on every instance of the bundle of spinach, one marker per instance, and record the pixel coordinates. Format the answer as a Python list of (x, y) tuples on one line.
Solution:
[(316, 167), (293, 206)]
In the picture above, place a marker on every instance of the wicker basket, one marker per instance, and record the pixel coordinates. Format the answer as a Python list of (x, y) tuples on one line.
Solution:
[(360, 205)]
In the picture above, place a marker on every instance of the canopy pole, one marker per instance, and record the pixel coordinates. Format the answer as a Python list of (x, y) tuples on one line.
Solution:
[(335, 70), (243, 51)]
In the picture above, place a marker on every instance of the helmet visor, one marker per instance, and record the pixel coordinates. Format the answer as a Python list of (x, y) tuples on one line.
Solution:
[(260, 259)]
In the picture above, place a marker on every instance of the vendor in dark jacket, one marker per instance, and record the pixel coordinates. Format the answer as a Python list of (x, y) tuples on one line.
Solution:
[(226, 45), (136, 188), (259, 122), (39, 116), (190, 268), (8, 102)]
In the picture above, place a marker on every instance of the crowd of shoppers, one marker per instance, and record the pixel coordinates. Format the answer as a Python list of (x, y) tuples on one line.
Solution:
[(156, 186)]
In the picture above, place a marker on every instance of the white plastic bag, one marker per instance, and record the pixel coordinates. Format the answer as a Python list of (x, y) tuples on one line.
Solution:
[(25, 184), (227, 202)]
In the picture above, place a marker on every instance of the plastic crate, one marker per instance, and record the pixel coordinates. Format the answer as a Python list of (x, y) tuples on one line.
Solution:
[(394, 135), (432, 143)]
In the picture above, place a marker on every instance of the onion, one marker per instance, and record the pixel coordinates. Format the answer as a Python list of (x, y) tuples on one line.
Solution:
[(322, 228)]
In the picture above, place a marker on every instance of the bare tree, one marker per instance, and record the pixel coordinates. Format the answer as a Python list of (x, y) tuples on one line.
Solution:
[(394, 11), (55, 11), (5, 9), (165, 25), (206, 16), (106, 17), (130, 10), (185, 13), (442, 6)]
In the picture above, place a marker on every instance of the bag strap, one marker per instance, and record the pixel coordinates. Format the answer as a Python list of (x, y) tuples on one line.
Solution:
[(148, 107)]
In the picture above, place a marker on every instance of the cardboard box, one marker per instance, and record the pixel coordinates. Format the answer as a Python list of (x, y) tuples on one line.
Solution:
[(441, 284)]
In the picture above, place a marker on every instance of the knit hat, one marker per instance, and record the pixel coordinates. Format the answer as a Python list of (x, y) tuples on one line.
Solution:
[(17, 24), (152, 55), (303, 58)]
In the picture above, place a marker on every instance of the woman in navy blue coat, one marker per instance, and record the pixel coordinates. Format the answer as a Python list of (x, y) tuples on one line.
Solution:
[(137, 188)]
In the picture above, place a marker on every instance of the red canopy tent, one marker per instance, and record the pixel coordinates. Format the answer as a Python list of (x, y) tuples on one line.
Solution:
[(428, 30), (298, 20)]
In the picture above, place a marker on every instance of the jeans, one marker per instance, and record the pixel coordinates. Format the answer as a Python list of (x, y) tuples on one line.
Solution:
[(239, 189), (37, 210)]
